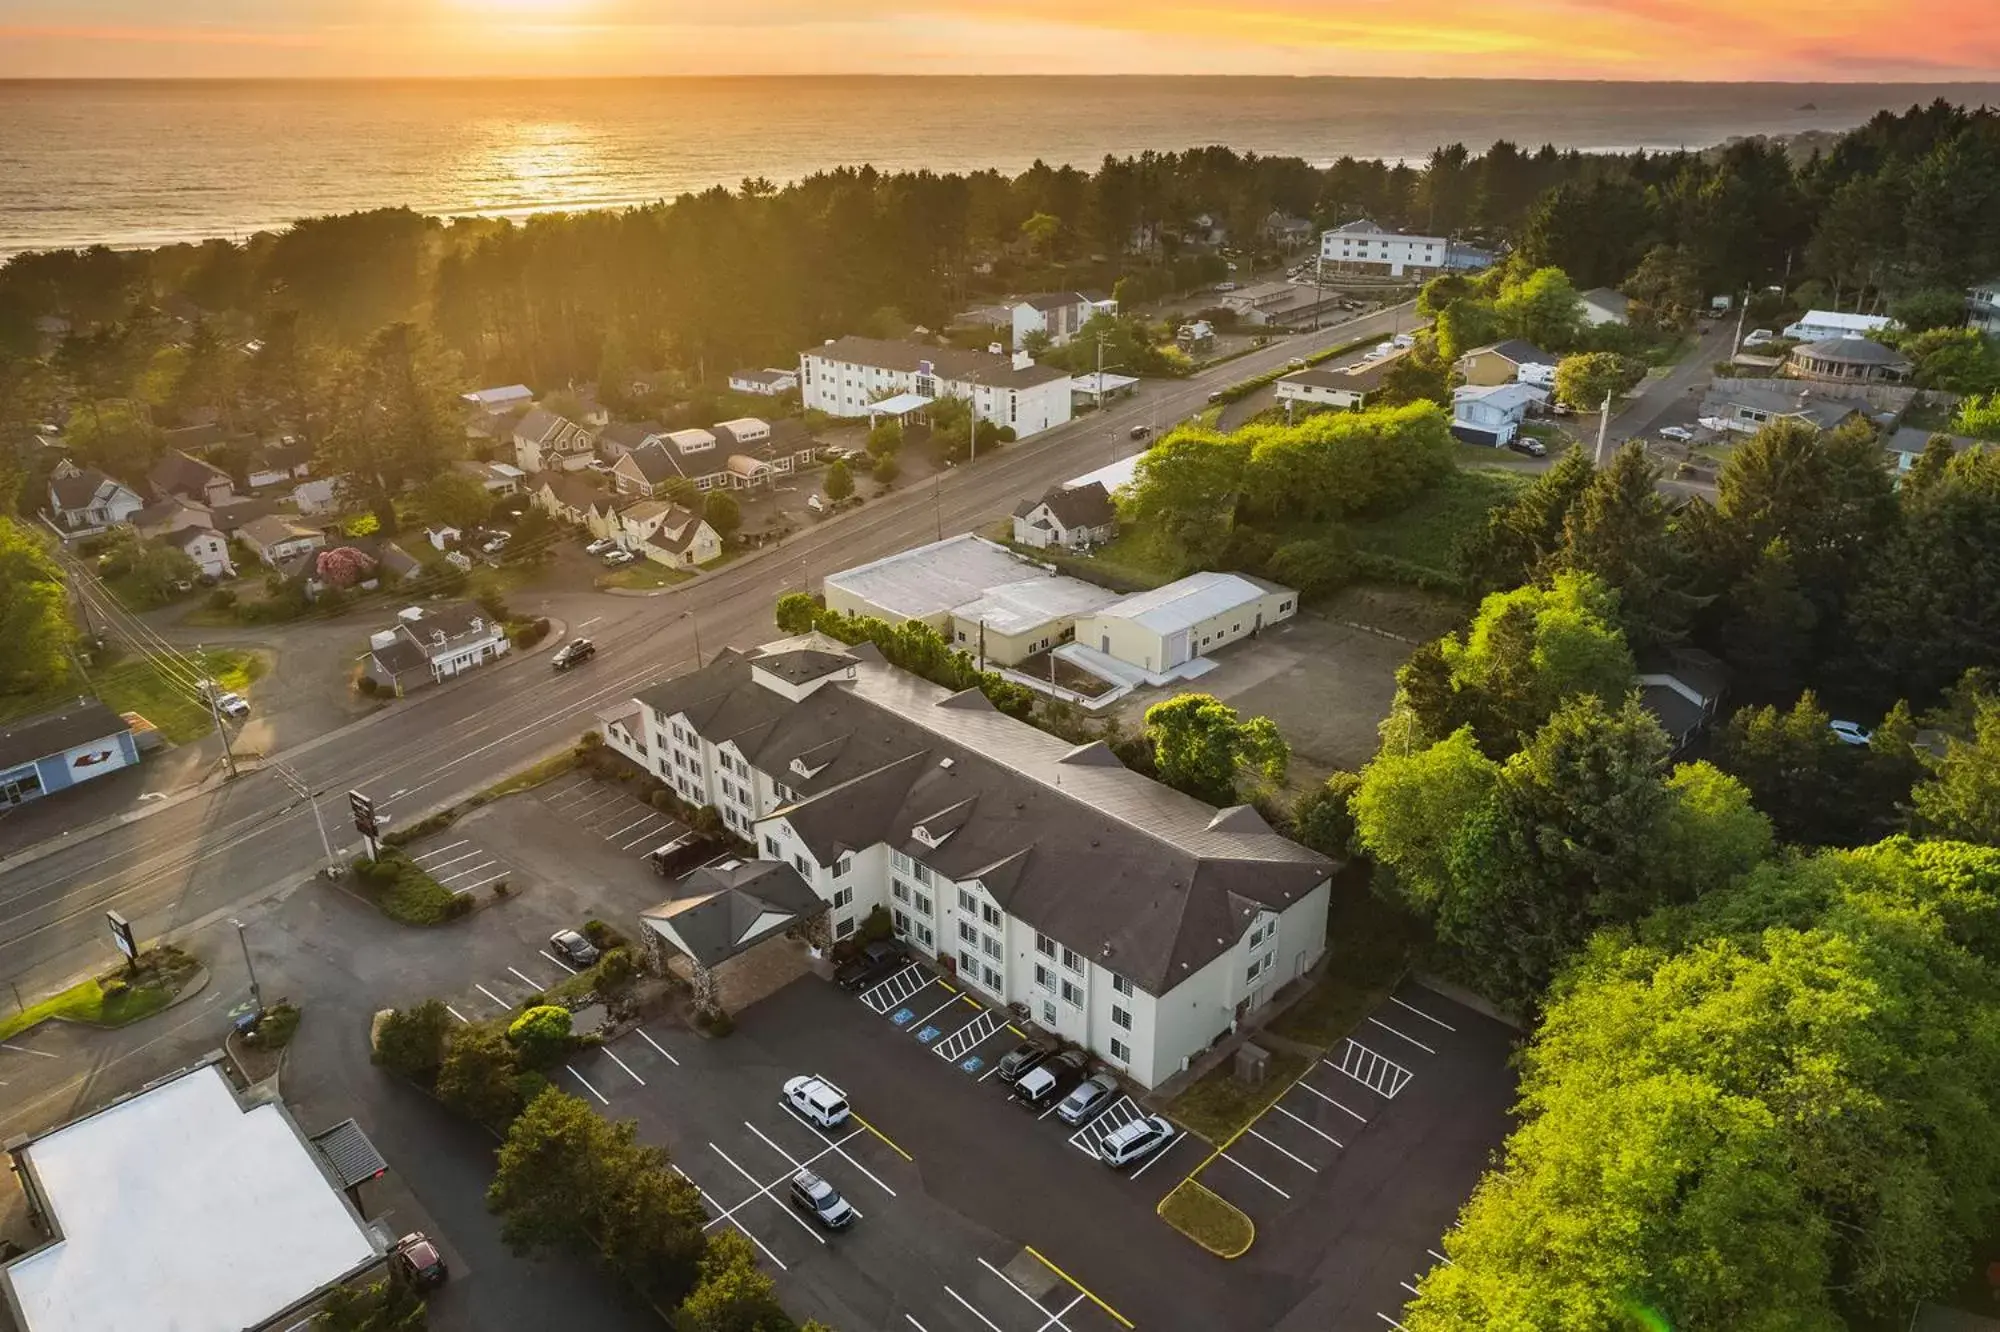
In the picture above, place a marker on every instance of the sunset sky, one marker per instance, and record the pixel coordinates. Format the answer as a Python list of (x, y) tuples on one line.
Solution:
[(1927, 40)]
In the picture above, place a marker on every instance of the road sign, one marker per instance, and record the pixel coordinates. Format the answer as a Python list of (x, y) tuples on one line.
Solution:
[(365, 821), (121, 935)]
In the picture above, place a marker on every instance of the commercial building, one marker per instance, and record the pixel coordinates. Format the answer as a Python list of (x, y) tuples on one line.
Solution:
[(182, 1206), (1170, 626), (846, 375), (765, 383), (1121, 915), (1346, 388), (1361, 246), (55, 750)]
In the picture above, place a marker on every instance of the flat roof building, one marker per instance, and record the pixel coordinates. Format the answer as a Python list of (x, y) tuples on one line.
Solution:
[(1170, 626), (181, 1207)]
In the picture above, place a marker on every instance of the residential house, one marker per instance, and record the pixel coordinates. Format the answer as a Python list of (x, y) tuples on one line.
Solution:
[(230, 519), (277, 539), (544, 441), (978, 833), (278, 463), (1346, 388), (320, 496), (1055, 315), (432, 643), (665, 533), (647, 469), (1850, 357), (1819, 325), (1907, 444), (178, 473), (1982, 307), (1492, 415), (493, 401), (1747, 405), (173, 514), (759, 451), (1288, 233), (497, 477), (1195, 335), (1683, 688), (766, 383), (567, 497), (1168, 627), (206, 547), (83, 500), (1507, 363), (843, 377), (622, 437), (1602, 305), (1205, 229), (1361, 246), (1073, 517)]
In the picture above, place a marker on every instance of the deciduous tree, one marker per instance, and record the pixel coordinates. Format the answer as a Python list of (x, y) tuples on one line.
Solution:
[(1203, 748)]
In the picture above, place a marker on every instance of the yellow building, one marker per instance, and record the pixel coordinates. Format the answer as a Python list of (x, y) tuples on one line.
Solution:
[(1501, 362), (1169, 626)]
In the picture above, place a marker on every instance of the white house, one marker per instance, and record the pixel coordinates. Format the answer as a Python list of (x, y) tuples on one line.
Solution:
[(1361, 245), (1121, 915), (1056, 315), (206, 547), (1170, 626), (318, 496), (278, 463), (768, 382), (667, 534), (276, 538), (1982, 307), (1068, 516), (545, 441), (498, 478), (432, 643), (1602, 305), (1346, 388), (1492, 414), (845, 375), (83, 500), (1820, 325)]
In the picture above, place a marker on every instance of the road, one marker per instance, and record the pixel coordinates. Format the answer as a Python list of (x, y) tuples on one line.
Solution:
[(193, 861)]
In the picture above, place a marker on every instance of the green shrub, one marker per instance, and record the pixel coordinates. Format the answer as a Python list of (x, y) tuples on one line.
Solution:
[(604, 936), (615, 972), (366, 687), (411, 1041), (1315, 566), (402, 890), (541, 1035), (275, 1029), (481, 1077), (222, 598)]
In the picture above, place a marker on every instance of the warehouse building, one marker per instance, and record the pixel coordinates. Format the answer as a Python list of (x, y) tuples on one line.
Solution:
[(1170, 626)]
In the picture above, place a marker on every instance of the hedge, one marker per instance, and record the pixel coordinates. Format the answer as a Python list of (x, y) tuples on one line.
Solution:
[(401, 890)]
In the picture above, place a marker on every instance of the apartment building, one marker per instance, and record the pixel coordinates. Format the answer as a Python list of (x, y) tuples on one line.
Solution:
[(1126, 917), (844, 376), (1361, 246)]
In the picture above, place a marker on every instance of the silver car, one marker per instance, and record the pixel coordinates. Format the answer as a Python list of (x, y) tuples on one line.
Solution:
[(1090, 1096)]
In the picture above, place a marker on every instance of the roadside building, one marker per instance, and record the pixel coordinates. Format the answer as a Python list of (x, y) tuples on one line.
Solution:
[(1284, 304), (1056, 315), (1347, 388), (722, 911), (1169, 626), (766, 383), (1982, 307), (277, 539), (1072, 517), (567, 497), (622, 437), (1119, 914), (1509, 362), (844, 376), (52, 751), (1747, 405), (431, 643), (184, 1205), (84, 501), (1492, 416), (1852, 358), (206, 547), (1819, 325), (545, 441), (1361, 246), (1602, 305)]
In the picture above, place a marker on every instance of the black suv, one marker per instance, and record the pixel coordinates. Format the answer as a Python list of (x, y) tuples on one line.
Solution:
[(573, 652), (1026, 1055), (877, 962)]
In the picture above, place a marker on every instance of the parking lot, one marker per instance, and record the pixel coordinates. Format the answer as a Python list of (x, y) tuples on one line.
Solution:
[(461, 864), (610, 811)]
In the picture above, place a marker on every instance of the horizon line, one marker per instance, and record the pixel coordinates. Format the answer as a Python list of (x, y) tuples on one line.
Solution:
[(1992, 81)]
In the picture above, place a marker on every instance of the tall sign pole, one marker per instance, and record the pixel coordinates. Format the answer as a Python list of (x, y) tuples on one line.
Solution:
[(365, 822)]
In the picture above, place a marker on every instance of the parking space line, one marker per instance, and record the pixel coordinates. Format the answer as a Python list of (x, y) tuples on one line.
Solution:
[(1039, 1308), (1281, 1151), (969, 1309), (914, 1323), (1382, 1076), (628, 1070), (490, 995), (1158, 1157), (813, 1129), (1308, 1127), (764, 1191), (962, 1042), (657, 1046), (1043, 1259), (526, 977), (476, 869), (886, 994), (1440, 1257), (558, 961), (793, 1161), (1055, 1319), (463, 855), (1254, 1175), (1411, 1039), (1392, 1322), (1420, 1013), (645, 836), (1407, 1286), (919, 1023), (586, 1084), (650, 818), (726, 1215), (440, 850), (455, 1013), (1304, 1086), (593, 801), (745, 1230)]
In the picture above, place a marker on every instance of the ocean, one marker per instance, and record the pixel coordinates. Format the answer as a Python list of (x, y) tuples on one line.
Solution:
[(145, 163)]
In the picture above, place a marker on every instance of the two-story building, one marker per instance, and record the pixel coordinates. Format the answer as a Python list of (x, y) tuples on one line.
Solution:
[(1508, 362), (84, 501), (1072, 517), (665, 533), (846, 375), (1492, 415), (545, 441), (1982, 307), (430, 644), (182, 474), (1121, 915), (1361, 246), (1055, 315)]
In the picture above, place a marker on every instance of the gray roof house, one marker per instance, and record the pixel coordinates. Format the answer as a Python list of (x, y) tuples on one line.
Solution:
[(431, 643), (83, 500), (1746, 406), (1067, 516), (720, 911)]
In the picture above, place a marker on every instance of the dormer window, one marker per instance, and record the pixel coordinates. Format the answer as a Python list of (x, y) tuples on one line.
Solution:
[(802, 769), (931, 839)]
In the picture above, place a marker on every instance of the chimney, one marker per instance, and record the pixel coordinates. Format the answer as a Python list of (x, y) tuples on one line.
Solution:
[(1022, 360)]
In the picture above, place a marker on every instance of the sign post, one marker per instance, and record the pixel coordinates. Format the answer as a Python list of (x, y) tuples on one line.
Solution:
[(365, 822), (121, 936)]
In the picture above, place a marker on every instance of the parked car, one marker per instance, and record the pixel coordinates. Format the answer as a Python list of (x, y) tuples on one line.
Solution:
[(1051, 1079), (614, 559), (574, 652), (1529, 445), (873, 964), (573, 947), (817, 1099), (1141, 432), (1224, 286), (1091, 1096), (1296, 363), (496, 542), (1679, 433), (816, 504), (821, 1201), (599, 546), (227, 703), (1850, 733), (1020, 1059), (1563, 409), (1759, 337), (416, 1260), (1131, 1143)]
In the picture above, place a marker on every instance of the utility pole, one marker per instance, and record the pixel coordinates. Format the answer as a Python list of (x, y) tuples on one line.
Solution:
[(937, 501), (1742, 309), (256, 995), (209, 691), (692, 619), (301, 787), (1603, 429)]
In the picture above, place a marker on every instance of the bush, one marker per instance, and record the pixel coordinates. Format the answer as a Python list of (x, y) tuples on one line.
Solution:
[(222, 598), (1315, 566), (366, 686), (886, 469), (411, 1041), (500, 888), (615, 972), (481, 1077), (275, 1029), (541, 1035), (402, 891), (714, 1022), (604, 936), (423, 827)]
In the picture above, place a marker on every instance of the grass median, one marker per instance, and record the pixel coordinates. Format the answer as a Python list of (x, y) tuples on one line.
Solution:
[(1208, 1219), (115, 999), (403, 891)]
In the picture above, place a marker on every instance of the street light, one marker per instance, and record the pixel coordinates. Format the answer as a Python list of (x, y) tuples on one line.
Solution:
[(256, 996)]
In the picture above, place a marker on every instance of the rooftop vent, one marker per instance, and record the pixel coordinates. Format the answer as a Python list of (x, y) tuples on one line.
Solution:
[(946, 762)]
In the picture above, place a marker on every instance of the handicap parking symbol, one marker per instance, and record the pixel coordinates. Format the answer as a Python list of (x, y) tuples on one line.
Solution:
[(902, 1016), (929, 1034), (972, 1064)]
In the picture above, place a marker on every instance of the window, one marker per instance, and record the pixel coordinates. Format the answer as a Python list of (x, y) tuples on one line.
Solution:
[(923, 873), (1044, 977), (803, 866), (1121, 1018), (968, 962), (925, 939), (1045, 945), (843, 927), (1121, 1051), (897, 860), (966, 932), (994, 980), (1264, 930), (967, 902), (899, 890), (1259, 967), (843, 866), (992, 947), (1120, 985), (771, 851), (990, 914), (1072, 994), (901, 920), (1048, 1013), (843, 897), (1072, 960), (922, 904)]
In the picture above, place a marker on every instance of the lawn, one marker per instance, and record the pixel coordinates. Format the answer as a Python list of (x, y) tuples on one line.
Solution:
[(1134, 557), (1218, 1106), (136, 686), (1369, 945), (1426, 533), (114, 999), (532, 776), (1208, 1219), (642, 576)]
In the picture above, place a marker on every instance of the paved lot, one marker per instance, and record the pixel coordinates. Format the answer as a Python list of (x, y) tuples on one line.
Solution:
[(611, 811)]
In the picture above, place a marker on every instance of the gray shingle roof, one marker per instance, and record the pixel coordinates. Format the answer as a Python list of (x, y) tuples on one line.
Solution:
[(76, 490), (950, 362), (657, 462), (1853, 351), (1517, 350), (178, 474), (52, 732), (722, 910)]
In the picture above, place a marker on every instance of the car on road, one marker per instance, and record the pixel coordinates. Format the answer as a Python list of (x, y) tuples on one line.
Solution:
[(614, 559), (1026, 1055), (573, 948), (1529, 445), (872, 965), (1680, 433), (1215, 396), (1092, 1095), (1052, 1079), (1141, 432), (496, 543), (821, 1201), (1849, 733), (1130, 1143), (817, 1099), (573, 653), (599, 546), (416, 1260)]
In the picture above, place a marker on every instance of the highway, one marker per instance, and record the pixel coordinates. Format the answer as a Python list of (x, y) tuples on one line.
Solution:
[(201, 856)]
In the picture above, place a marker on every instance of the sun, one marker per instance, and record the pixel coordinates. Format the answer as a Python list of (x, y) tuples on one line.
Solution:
[(525, 8)]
